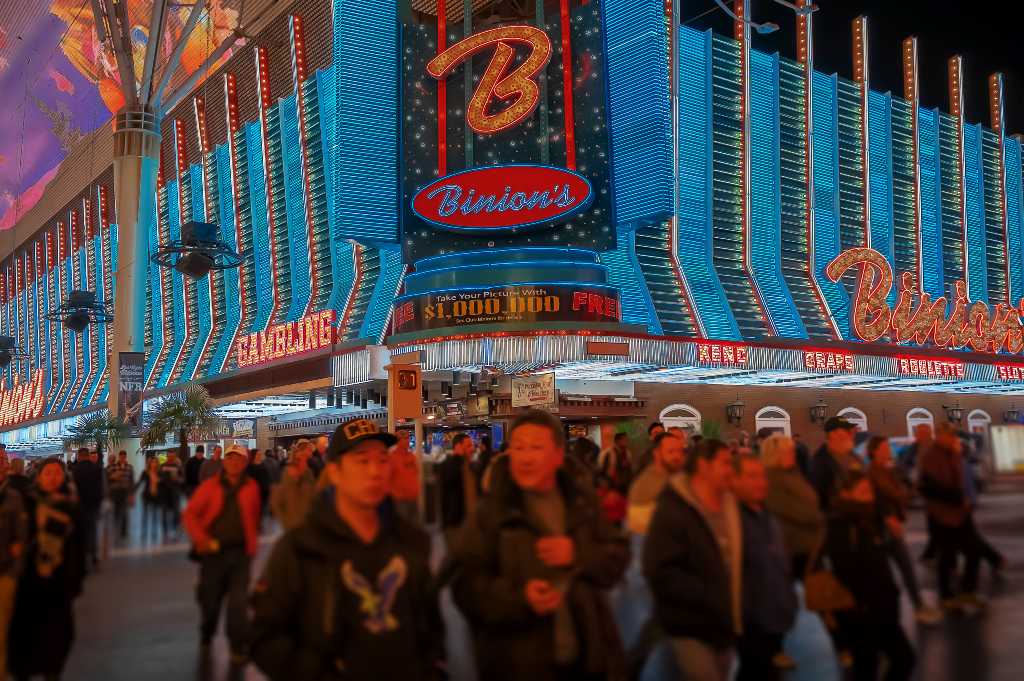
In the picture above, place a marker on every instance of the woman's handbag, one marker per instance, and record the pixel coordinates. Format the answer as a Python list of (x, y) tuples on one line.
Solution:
[(822, 591)]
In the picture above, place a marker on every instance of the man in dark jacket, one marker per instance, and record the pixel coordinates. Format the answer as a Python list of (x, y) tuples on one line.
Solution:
[(13, 538), (693, 562), (942, 485), (536, 561), (769, 602), (89, 481), (192, 468), (834, 460), (348, 594), (458, 487)]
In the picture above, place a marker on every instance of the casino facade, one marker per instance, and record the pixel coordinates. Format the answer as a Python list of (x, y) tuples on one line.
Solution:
[(671, 222)]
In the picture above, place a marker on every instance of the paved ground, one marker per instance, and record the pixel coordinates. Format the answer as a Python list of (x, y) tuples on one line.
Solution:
[(138, 621)]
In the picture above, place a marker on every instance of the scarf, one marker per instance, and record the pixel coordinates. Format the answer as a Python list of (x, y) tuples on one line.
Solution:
[(53, 527)]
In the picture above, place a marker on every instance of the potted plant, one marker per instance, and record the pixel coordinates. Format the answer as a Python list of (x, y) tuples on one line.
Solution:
[(184, 413), (99, 429)]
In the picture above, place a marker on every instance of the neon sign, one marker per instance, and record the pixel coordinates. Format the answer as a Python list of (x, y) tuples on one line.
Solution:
[(722, 354), (312, 332), (502, 197), (1010, 373), (22, 401), (929, 368), (497, 82), (966, 324), (828, 362)]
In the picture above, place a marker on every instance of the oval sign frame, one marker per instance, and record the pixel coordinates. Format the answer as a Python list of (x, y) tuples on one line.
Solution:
[(551, 171)]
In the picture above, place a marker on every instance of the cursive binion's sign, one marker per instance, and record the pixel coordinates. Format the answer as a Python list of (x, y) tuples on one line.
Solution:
[(496, 198), (919, 319), (22, 401)]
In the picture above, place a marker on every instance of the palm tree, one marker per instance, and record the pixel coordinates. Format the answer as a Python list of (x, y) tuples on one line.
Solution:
[(185, 413), (99, 429)]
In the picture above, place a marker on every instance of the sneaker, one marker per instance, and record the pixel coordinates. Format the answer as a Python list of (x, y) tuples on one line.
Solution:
[(783, 661), (845, 659), (951, 604), (970, 604), (239, 659), (927, 615)]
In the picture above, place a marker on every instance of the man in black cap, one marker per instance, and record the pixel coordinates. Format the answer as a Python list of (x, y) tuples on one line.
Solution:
[(833, 460), (348, 593)]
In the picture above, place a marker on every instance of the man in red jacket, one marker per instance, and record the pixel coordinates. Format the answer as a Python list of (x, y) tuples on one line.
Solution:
[(223, 521)]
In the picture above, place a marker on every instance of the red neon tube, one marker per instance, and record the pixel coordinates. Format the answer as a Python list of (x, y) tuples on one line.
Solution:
[(442, 94), (567, 83)]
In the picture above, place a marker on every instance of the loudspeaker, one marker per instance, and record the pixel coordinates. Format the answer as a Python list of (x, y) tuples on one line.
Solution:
[(77, 321), (195, 265)]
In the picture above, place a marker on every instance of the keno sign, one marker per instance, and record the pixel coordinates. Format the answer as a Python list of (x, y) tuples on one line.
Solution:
[(502, 197)]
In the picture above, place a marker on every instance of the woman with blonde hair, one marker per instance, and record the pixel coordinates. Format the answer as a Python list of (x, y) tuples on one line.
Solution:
[(792, 500)]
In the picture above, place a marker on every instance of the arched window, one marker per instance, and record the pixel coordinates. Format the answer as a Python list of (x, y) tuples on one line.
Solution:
[(918, 416), (856, 417), (978, 421), (682, 416), (773, 418)]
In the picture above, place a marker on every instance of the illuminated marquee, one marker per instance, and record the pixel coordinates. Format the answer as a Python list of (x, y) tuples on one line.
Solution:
[(1010, 373), (312, 332), (22, 401), (722, 354), (966, 325), (828, 362), (930, 368), (498, 83)]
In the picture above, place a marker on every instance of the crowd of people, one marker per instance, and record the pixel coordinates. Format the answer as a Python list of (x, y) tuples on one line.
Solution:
[(536, 537)]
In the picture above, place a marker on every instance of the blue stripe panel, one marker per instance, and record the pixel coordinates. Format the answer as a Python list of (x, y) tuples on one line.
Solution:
[(826, 196), (156, 296), (195, 179), (640, 109), (931, 206), (365, 117), (112, 239), (67, 341), (203, 327), (379, 310), (977, 259), (177, 288), (232, 311), (695, 156), (260, 240), (624, 273), (765, 215), (1014, 226), (100, 352), (880, 176), (295, 203)]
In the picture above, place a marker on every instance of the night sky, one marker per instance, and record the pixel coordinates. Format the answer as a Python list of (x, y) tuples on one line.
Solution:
[(980, 30)]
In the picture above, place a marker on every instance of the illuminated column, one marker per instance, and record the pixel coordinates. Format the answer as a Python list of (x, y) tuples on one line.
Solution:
[(231, 114), (861, 77), (265, 102), (805, 56), (136, 158), (995, 109), (910, 93), (956, 108), (298, 41)]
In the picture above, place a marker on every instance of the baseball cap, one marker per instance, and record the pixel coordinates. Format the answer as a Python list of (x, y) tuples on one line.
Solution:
[(236, 449), (349, 434), (837, 422)]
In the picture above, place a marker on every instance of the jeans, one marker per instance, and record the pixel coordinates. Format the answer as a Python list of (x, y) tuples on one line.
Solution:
[(119, 498), (90, 539), (224, 574), (874, 634), (8, 587), (698, 661), (756, 648), (951, 541), (151, 511), (898, 551)]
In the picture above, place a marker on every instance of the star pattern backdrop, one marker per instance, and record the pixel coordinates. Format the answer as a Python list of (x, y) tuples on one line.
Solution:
[(540, 139)]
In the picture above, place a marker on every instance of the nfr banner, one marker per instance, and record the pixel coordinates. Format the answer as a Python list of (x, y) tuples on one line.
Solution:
[(131, 373)]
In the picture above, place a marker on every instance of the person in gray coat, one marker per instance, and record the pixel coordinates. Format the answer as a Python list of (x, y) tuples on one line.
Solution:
[(291, 499), (792, 501)]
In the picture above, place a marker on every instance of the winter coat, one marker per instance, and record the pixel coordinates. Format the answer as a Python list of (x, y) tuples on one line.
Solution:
[(942, 485), (453, 493), (827, 473), (13, 529), (330, 607), (291, 499), (89, 481), (893, 494), (207, 503), (192, 468), (793, 501), (43, 626), (497, 558), (769, 602), (150, 493), (695, 596), (855, 547)]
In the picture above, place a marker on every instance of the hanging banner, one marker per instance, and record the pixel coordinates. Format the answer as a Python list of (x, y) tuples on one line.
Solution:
[(533, 391), (131, 374)]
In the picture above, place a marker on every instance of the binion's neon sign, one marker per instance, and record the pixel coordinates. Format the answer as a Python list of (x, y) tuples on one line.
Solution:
[(22, 401), (919, 319)]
